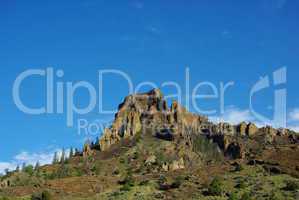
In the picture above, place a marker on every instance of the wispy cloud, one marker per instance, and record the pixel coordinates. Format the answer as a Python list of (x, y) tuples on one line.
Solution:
[(294, 128), (293, 120), (294, 115), (234, 115), (30, 159), (7, 165)]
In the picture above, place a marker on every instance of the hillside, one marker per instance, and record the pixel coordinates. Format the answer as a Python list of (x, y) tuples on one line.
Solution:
[(156, 151)]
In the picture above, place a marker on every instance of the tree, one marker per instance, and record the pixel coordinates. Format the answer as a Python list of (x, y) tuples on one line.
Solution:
[(18, 168), (23, 166), (71, 152), (29, 170), (62, 159), (77, 152), (55, 158), (6, 171), (97, 145), (37, 165)]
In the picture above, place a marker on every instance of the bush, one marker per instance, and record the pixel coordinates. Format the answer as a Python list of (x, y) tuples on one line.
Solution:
[(204, 146), (241, 184), (45, 195), (63, 171), (246, 196), (233, 196), (29, 170), (239, 167), (216, 187), (291, 186), (276, 196), (177, 182), (127, 183)]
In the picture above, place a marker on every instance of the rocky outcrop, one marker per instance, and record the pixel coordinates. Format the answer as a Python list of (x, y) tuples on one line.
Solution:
[(175, 165), (149, 113), (87, 151), (252, 129), (242, 128)]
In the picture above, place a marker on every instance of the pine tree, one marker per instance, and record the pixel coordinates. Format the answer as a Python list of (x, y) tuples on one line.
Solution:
[(23, 166), (97, 145), (77, 152), (18, 168), (37, 165), (71, 152), (62, 159), (55, 158)]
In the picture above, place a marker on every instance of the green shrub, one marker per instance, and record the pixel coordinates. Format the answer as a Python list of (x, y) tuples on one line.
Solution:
[(29, 170), (246, 196), (127, 183), (45, 195), (275, 195), (216, 187), (177, 182), (291, 186), (63, 171), (239, 167), (233, 196), (241, 184), (204, 146)]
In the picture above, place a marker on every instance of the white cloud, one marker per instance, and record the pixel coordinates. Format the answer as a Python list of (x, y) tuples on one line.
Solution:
[(234, 115), (6, 165), (294, 115), (294, 128), (43, 158), (30, 158), (293, 120)]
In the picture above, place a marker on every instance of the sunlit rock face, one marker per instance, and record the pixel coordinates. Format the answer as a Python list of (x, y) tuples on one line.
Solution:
[(149, 112)]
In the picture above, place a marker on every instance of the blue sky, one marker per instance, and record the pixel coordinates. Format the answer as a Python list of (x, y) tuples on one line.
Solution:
[(153, 41)]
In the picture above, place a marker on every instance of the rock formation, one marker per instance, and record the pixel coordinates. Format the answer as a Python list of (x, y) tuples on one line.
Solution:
[(148, 112)]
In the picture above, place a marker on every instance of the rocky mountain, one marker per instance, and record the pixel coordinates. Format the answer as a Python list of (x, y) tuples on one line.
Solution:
[(149, 112), (156, 151)]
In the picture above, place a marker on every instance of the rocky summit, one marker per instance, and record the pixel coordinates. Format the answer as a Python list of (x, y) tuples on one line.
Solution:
[(154, 150)]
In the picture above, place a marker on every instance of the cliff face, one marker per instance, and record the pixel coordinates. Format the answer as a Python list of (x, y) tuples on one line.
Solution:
[(149, 112)]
